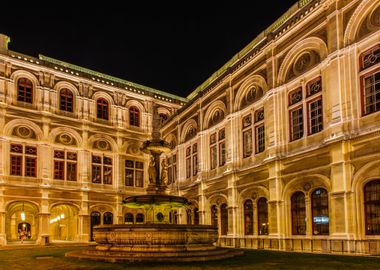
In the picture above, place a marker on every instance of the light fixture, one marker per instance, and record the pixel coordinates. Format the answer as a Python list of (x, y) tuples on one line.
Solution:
[(22, 212)]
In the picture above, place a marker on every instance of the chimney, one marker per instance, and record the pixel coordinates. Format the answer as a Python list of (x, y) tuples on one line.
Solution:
[(4, 40)]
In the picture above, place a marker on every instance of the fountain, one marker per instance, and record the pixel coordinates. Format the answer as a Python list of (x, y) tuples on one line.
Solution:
[(158, 239)]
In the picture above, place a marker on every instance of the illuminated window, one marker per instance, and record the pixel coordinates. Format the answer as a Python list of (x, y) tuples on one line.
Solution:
[(223, 219), (262, 216), (259, 131), (248, 217), (128, 218), (191, 160), (65, 165), (23, 160), (372, 207), (102, 109), (101, 170), (247, 136), (172, 169), (25, 90), (218, 149), (298, 214), (309, 103), (134, 116), (66, 100), (320, 212), (134, 173)]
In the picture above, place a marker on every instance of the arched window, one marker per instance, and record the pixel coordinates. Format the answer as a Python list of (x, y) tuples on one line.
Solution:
[(128, 218), (95, 221), (66, 100), (107, 218), (134, 116), (224, 219), (196, 216), (25, 90), (372, 207), (320, 211), (248, 217), (298, 214), (262, 216), (140, 218), (214, 216), (102, 109)]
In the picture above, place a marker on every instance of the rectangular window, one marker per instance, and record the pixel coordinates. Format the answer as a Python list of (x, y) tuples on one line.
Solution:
[(218, 149), (247, 136), (101, 170), (134, 173), (188, 162), (315, 116), (296, 124), (65, 165), (371, 93), (172, 169), (214, 157), (23, 160), (260, 138), (222, 153)]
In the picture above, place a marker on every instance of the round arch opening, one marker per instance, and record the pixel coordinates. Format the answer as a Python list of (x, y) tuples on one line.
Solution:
[(63, 223)]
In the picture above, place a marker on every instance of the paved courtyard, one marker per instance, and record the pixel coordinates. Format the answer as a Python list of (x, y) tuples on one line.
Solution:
[(52, 257)]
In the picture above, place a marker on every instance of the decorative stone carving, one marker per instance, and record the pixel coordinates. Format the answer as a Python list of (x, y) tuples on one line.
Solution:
[(191, 132), (217, 117), (24, 132), (307, 186), (102, 145)]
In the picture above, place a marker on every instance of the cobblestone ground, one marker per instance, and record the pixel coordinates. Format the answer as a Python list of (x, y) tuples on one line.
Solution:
[(53, 257)]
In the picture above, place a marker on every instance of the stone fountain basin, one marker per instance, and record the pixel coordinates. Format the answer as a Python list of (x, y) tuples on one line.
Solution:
[(155, 237)]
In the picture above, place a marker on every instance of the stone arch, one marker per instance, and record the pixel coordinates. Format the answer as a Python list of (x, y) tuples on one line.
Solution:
[(253, 193), (8, 129), (366, 174), (172, 140), (311, 44), (135, 103), (70, 132), (252, 81), (106, 96), (102, 208), (217, 105), (357, 18), (102, 137), (190, 124), (217, 199), (63, 84), (306, 184)]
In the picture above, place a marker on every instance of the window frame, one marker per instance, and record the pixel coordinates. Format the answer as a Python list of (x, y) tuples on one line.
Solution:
[(102, 166), (25, 168), (27, 88), (64, 99), (66, 162), (134, 116), (135, 170), (102, 109)]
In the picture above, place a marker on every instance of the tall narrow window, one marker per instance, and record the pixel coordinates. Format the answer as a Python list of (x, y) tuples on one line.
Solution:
[(23, 160), (101, 170), (213, 151), (314, 106), (222, 147), (140, 218), (296, 123), (128, 218), (102, 109), (25, 90), (191, 160), (370, 80), (262, 218), (189, 216), (134, 173), (372, 207), (214, 215), (259, 131), (66, 100), (247, 136), (188, 162), (224, 219), (65, 165), (195, 159), (248, 217), (172, 169), (298, 214), (134, 116), (320, 212)]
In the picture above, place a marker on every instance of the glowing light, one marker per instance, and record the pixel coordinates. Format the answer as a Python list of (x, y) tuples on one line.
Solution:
[(22, 216)]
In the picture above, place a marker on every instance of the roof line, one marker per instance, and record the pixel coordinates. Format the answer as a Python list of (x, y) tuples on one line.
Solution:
[(260, 37), (109, 77)]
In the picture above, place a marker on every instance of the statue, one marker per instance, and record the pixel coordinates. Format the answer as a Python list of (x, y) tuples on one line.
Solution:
[(152, 171), (164, 172)]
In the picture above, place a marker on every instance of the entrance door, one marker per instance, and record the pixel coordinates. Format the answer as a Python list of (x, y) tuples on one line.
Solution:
[(24, 231), (95, 221)]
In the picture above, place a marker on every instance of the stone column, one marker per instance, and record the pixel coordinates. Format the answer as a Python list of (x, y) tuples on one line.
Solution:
[(3, 236), (83, 219), (44, 218)]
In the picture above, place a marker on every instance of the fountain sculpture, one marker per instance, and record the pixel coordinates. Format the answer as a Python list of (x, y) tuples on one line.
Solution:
[(157, 239)]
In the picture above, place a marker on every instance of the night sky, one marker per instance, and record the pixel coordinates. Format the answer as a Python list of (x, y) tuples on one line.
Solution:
[(173, 47)]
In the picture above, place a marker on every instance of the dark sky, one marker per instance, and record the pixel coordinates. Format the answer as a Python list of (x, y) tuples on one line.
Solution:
[(170, 46)]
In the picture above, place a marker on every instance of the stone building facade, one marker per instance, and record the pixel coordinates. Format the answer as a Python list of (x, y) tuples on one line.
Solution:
[(280, 148)]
